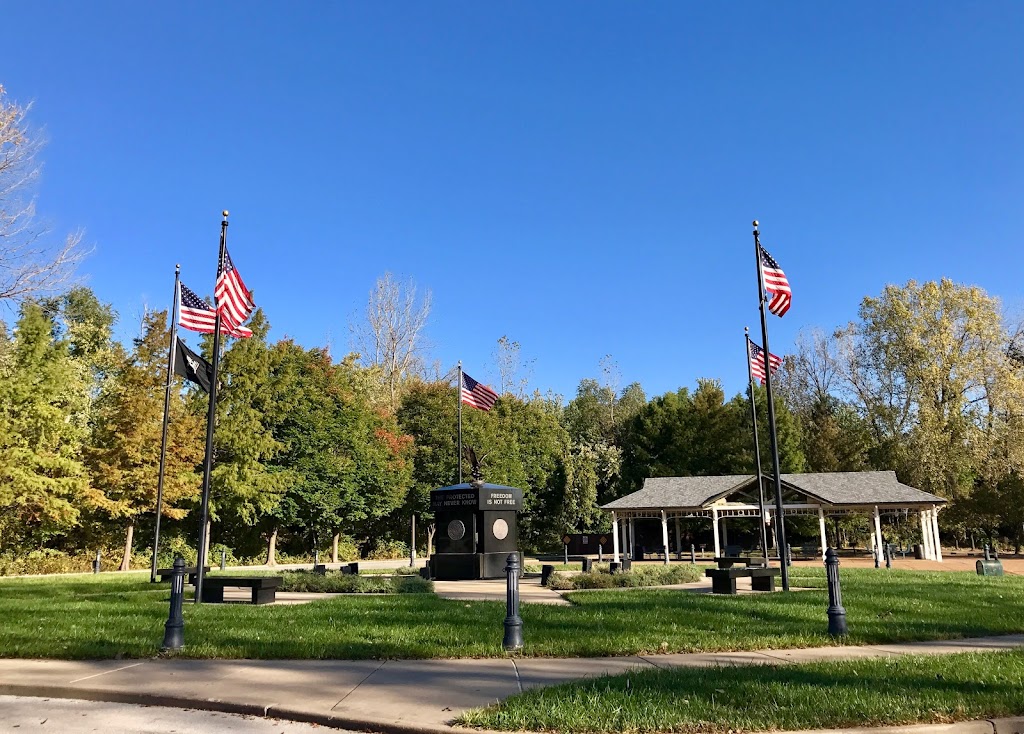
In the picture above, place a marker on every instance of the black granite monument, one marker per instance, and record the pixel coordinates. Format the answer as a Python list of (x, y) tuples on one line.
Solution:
[(476, 529)]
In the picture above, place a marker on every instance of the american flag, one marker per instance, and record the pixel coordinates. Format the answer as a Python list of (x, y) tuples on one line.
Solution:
[(775, 282), (196, 314), (757, 362), (234, 301), (473, 393)]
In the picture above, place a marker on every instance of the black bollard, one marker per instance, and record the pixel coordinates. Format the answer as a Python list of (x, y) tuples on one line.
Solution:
[(836, 613), (174, 628), (513, 623), (888, 555), (96, 563), (223, 559), (693, 554)]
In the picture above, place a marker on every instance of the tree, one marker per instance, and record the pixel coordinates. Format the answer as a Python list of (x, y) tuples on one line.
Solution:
[(44, 399), (929, 368), (124, 455), (29, 265), (513, 371), (392, 336), (244, 481), (345, 461)]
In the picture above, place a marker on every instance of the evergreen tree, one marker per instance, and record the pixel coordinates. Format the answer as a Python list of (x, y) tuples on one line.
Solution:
[(44, 398)]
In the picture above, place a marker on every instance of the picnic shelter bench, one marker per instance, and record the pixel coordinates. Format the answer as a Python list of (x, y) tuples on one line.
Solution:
[(264, 588)]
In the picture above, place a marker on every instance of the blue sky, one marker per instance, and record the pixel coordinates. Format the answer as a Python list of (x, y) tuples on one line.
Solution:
[(579, 176)]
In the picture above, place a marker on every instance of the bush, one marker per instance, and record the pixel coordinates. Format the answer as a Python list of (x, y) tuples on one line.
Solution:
[(352, 584), (600, 578), (386, 550), (412, 585)]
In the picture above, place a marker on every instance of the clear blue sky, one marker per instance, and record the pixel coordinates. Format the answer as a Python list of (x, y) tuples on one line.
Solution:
[(580, 176)]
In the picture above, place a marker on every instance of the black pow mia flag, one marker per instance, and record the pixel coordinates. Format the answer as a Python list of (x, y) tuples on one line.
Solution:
[(192, 367)]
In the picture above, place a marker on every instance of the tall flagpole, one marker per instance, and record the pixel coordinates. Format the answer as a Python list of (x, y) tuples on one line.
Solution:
[(757, 452), (211, 415), (459, 457), (780, 521), (167, 404)]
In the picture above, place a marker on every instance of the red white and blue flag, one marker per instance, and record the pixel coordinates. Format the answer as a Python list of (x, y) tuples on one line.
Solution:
[(476, 394), (776, 283), (757, 362), (234, 301), (195, 314)]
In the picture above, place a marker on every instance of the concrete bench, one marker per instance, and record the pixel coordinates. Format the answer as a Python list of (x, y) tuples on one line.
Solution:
[(723, 580), (729, 561), (166, 574), (264, 588)]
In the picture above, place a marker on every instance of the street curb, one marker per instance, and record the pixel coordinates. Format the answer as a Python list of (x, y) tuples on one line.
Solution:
[(1013, 725), (225, 707)]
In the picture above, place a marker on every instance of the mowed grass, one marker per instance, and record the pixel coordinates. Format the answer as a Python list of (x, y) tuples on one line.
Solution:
[(110, 616), (904, 690)]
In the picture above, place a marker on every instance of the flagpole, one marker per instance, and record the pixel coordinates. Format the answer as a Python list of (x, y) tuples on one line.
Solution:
[(211, 415), (757, 452), (163, 437), (459, 457), (780, 522)]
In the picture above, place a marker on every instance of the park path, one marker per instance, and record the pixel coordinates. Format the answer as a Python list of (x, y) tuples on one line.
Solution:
[(399, 696)]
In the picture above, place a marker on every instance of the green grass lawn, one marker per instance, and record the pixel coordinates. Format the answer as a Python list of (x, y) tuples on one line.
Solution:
[(105, 616), (904, 690)]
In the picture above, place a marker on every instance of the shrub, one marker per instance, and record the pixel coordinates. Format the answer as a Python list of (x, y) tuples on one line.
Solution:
[(385, 550), (352, 584), (412, 585), (643, 576)]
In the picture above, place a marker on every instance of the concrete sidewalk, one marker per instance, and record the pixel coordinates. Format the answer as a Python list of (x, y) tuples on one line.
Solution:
[(400, 696)]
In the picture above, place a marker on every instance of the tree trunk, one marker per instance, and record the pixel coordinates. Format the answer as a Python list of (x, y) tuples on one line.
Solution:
[(272, 548), (334, 548), (126, 559), (206, 550), (972, 542), (431, 529)]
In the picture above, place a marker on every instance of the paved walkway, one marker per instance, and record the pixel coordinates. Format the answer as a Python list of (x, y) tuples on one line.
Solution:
[(400, 696)]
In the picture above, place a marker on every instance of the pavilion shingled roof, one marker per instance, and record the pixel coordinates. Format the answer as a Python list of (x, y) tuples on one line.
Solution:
[(835, 488)]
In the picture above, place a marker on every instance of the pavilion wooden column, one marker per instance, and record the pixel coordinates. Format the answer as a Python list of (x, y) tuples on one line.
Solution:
[(714, 527), (926, 533), (935, 526), (615, 538), (824, 535), (664, 536), (879, 553), (632, 540)]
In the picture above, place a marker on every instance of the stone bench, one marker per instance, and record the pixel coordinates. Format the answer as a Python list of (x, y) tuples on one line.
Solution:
[(264, 588), (723, 580), (166, 574)]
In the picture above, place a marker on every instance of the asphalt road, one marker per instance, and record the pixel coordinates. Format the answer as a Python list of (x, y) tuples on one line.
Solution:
[(60, 716)]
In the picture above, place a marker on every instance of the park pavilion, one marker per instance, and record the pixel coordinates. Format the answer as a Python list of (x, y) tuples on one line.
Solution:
[(721, 498)]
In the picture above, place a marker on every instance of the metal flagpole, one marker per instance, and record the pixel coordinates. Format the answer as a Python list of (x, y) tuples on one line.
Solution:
[(780, 520), (757, 452), (211, 415), (167, 405), (459, 457)]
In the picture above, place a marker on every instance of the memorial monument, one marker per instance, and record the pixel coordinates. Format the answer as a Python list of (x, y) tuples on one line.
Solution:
[(476, 527)]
